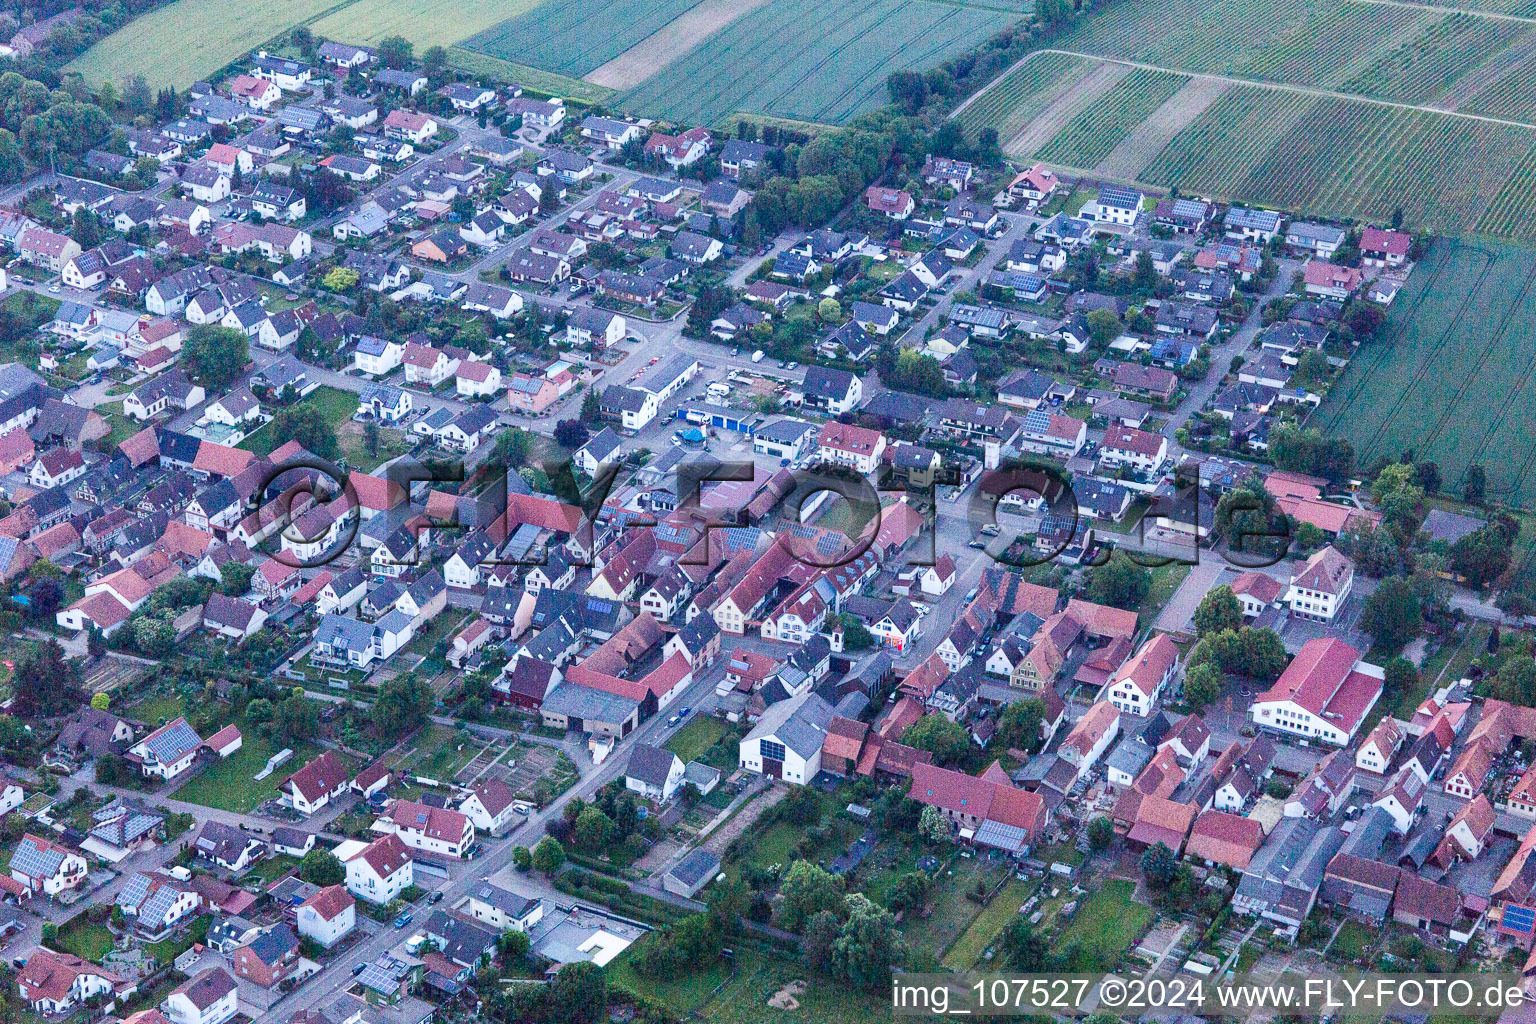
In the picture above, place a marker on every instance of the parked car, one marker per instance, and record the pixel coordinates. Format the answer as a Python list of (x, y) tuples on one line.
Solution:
[(403, 920)]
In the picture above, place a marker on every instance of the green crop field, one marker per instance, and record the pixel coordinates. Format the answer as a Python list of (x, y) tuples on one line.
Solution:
[(1219, 149), (811, 60), (1089, 137), (1451, 376), (1305, 42), (1513, 95), (184, 41), (1357, 159), (424, 22), (1425, 66), (1021, 95), (563, 36)]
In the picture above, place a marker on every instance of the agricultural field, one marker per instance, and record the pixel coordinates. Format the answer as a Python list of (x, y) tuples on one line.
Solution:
[(495, 69), (1222, 145), (1451, 376), (1512, 95), (1022, 94), (159, 46), (560, 36), (424, 22), (1092, 134), (1424, 67), (809, 60)]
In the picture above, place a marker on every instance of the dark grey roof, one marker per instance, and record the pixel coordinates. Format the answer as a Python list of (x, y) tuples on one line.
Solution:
[(651, 765)]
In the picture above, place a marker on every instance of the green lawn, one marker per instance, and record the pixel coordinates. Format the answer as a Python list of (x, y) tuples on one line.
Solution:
[(440, 752), (776, 845), (1351, 942), (1108, 923), (989, 924), (273, 868), (230, 784), (167, 950), (682, 995), (155, 710), (335, 405), (88, 941), (951, 913), (692, 740)]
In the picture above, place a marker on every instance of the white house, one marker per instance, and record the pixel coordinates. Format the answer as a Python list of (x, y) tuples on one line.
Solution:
[(653, 772), (476, 379), (378, 871), (1115, 205), (491, 806), (429, 829), (504, 910), (1320, 589), (328, 916), (1376, 753), (786, 742), (168, 751), (55, 983), (1323, 695), (46, 867), (312, 787), (209, 997), (1135, 686), (377, 356)]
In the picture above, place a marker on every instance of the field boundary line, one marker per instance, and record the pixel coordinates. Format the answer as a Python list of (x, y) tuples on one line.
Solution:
[(1307, 90), (1438, 8)]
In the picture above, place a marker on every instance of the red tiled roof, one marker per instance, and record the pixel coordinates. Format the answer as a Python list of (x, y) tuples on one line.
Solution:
[(1225, 839), (325, 774), (221, 460), (330, 902)]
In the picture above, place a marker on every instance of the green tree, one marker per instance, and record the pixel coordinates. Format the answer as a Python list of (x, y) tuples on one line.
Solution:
[(947, 741), (819, 937), (547, 856), (856, 637), (215, 357), (1475, 487), (806, 890), (1391, 614), (591, 408), (578, 994), (1481, 556), (1401, 677), (320, 867), (1103, 327), (306, 424), (1119, 582), (154, 637), (1202, 685), (868, 945), (512, 945), (933, 826), (593, 830), (1101, 832), (1018, 726), (1218, 610), (521, 858), (403, 706), (235, 578), (101, 701), (829, 310), (395, 52), (1160, 865)]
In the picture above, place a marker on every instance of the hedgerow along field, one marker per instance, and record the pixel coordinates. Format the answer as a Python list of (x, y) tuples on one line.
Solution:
[(179, 43), (1089, 137), (810, 60), (1451, 375), (574, 37)]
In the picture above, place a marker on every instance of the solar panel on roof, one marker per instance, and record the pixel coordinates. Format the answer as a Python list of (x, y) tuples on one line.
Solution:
[(1520, 919)]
